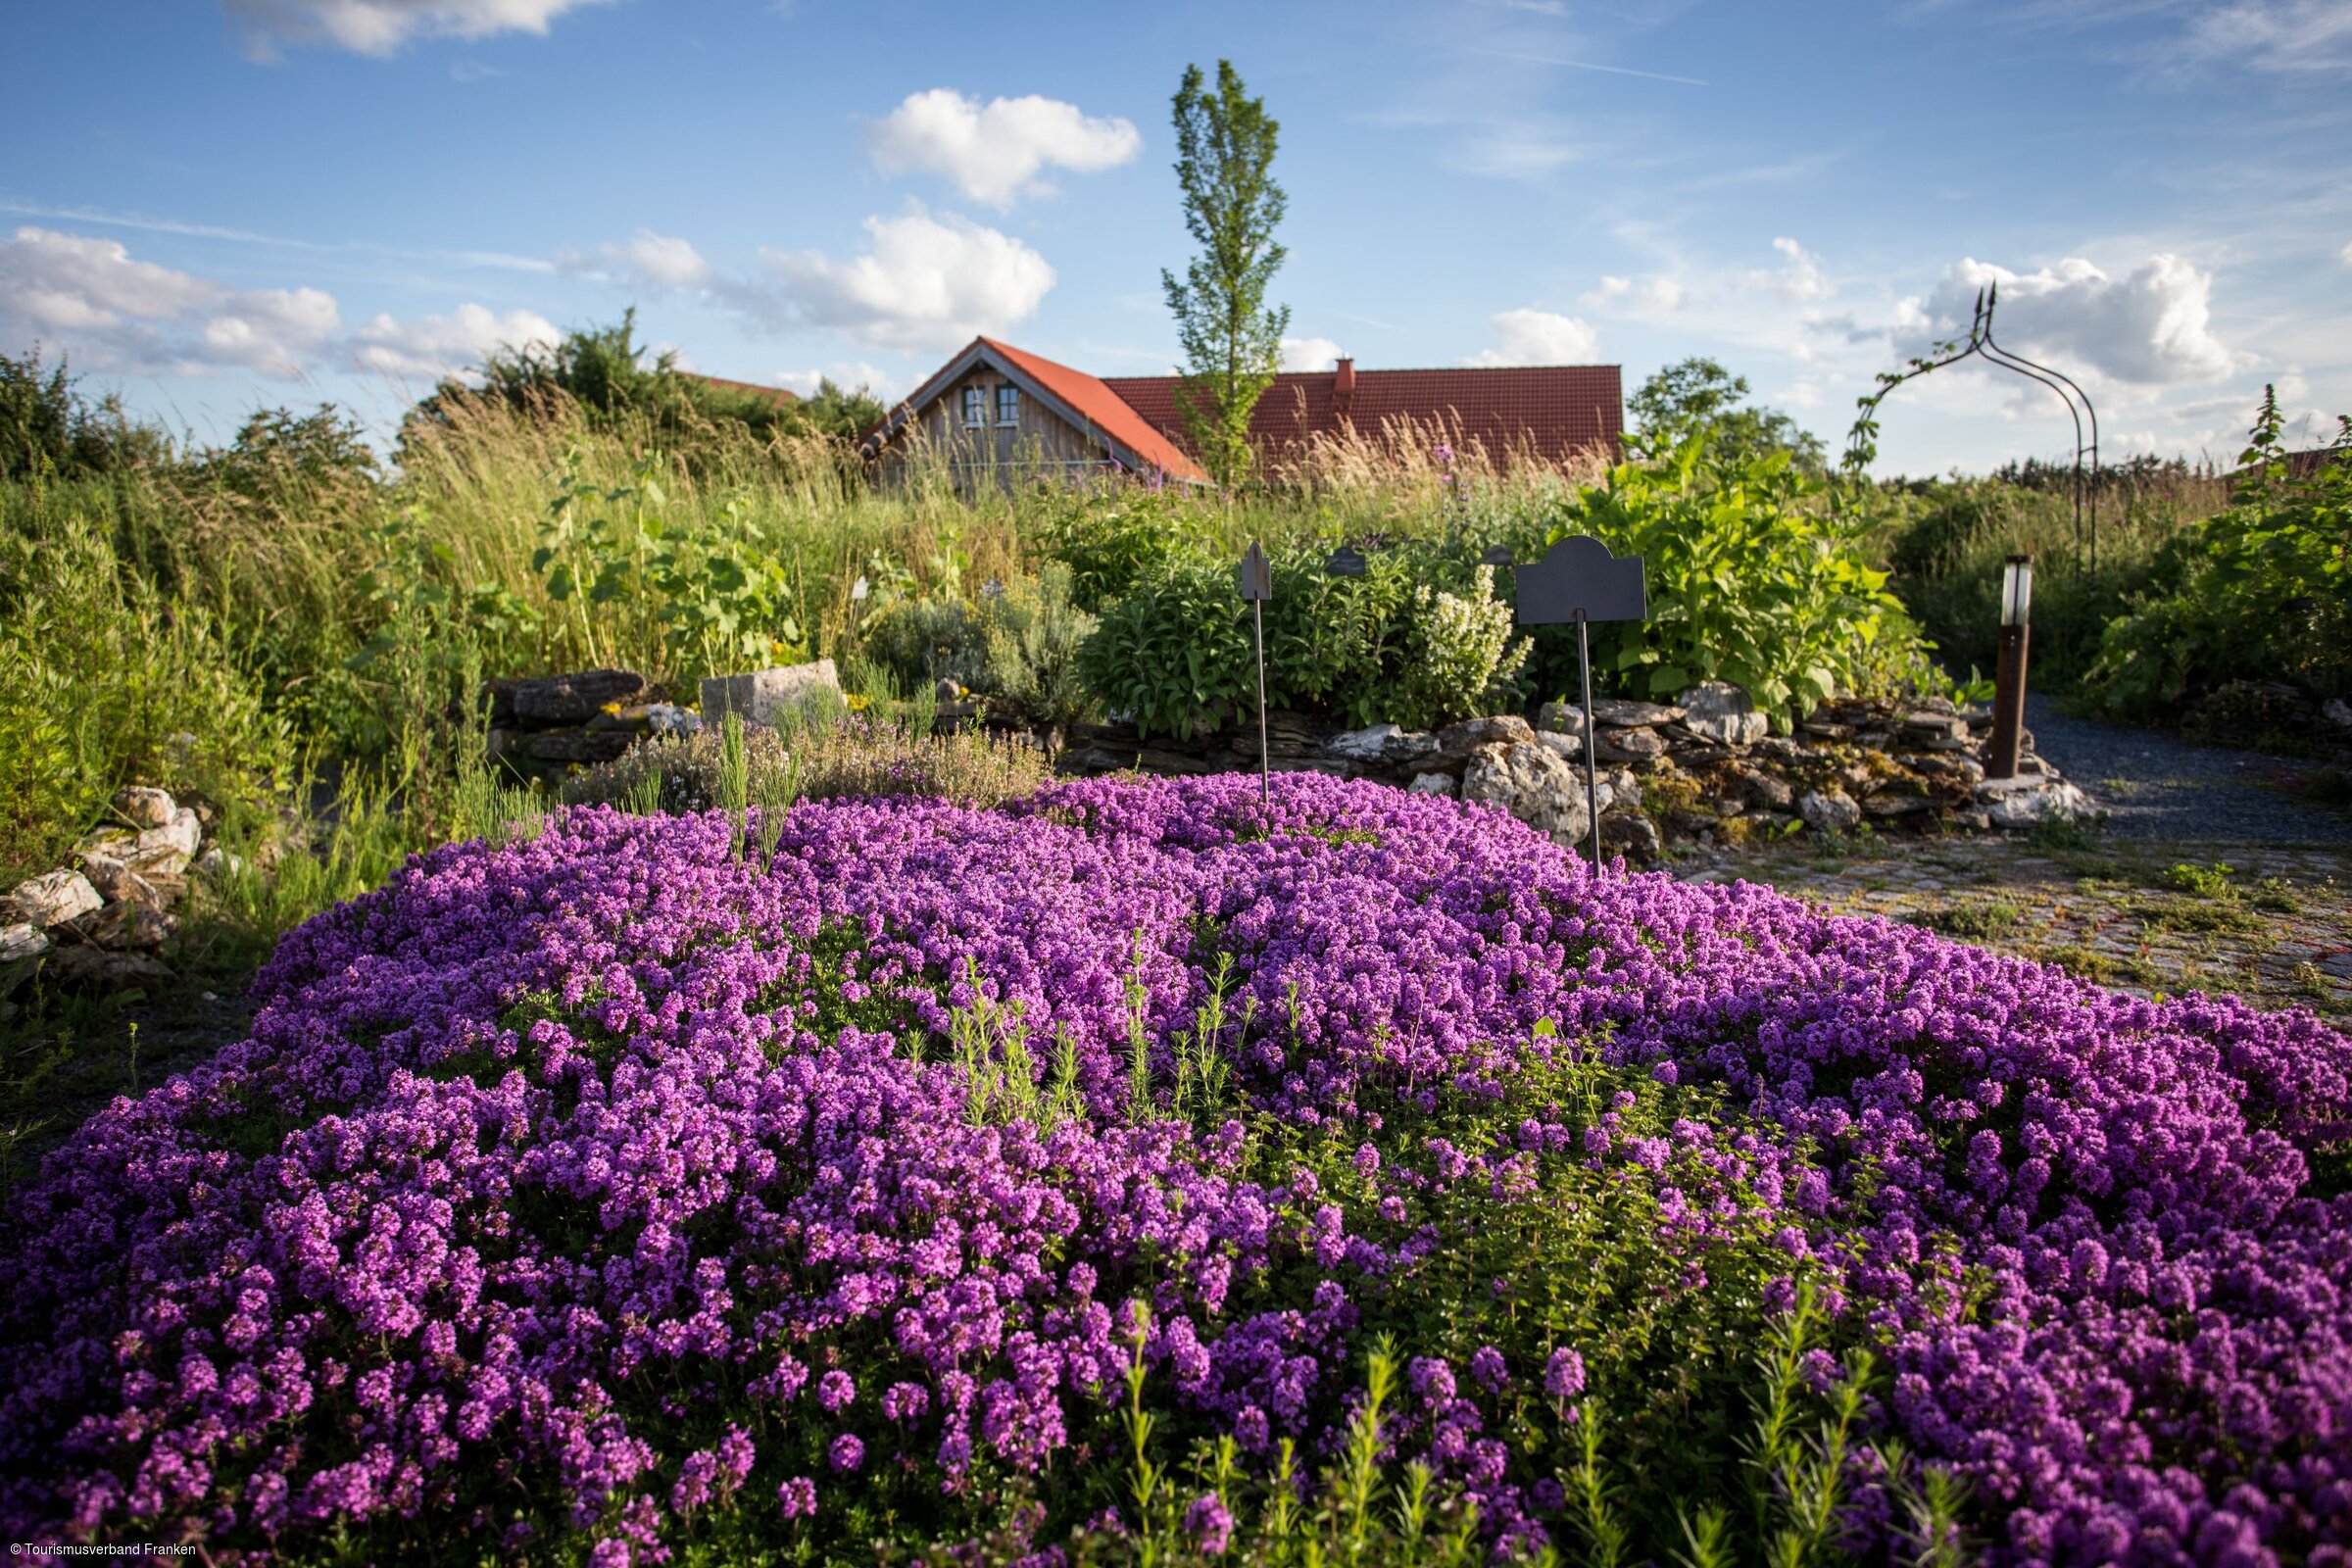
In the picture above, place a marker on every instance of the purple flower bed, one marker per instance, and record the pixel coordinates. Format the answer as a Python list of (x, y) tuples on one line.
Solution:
[(613, 1174)]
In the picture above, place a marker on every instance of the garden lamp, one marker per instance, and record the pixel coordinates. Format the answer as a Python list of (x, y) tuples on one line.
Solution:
[(2009, 674)]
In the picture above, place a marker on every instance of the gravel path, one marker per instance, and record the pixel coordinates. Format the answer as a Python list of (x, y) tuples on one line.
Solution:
[(2156, 786)]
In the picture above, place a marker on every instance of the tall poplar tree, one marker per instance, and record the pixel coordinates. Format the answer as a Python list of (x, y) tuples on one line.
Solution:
[(1232, 341)]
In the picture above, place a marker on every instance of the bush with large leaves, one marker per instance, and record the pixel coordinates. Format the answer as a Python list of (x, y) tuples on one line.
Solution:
[(2262, 591), (1750, 579)]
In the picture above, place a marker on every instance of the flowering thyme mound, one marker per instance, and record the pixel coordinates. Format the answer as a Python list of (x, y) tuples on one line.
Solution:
[(616, 1182)]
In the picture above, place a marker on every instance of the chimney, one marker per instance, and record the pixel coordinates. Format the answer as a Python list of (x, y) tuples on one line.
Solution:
[(1343, 389)]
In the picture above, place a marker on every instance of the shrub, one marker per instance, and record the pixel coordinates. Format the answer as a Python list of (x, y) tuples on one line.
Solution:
[(2262, 591), (1396, 644), (1034, 633), (1114, 537), (1174, 652), (1750, 580)]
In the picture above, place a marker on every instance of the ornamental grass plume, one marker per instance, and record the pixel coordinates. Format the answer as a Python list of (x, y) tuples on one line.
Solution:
[(576, 1187)]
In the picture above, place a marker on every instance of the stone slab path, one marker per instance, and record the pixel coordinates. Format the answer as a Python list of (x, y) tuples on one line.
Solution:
[(2272, 925)]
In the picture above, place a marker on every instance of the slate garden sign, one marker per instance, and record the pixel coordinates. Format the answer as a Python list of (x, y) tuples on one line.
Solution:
[(1578, 580)]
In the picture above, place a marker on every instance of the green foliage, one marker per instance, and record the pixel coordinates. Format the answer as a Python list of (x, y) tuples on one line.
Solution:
[(105, 682), (703, 593), (2262, 591), (1112, 537), (47, 427), (1232, 341), (1034, 631), (826, 756), (1420, 639), (1175, 652), (1749, 581), (1699, 397)]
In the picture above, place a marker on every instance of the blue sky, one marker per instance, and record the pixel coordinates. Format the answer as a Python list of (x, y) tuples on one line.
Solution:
[(218, 205)]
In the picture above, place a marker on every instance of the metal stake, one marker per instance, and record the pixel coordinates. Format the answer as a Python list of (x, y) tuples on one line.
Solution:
[(1584, 669), (1265, 767)]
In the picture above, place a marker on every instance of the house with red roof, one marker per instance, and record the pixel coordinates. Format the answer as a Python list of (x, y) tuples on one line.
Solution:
[(1003, 415)]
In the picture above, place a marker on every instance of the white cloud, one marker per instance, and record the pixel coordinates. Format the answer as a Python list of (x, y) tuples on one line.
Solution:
[(2279, 35), (1538, 337), (924, 283), (93, 299), (848, 374), (657, 261), (1310, 353), (2346, 255), (2151, 327), (1659, 296), (382, 26), (994, 152), (429, 347), (1800, 280)]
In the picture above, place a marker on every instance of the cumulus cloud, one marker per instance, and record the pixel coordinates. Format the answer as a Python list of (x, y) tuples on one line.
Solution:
[(2346, 255), (923, 283), (1800, 280), (429, 347), (995, 152), (1538, 337), (657, 261), (382, 26), (1310, 353), (2152, 327), (111, 311)]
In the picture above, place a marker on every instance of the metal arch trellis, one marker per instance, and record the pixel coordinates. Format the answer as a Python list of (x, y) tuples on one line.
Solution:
[(1862, 443)]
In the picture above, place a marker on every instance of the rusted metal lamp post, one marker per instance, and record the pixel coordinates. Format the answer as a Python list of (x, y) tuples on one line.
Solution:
[(1258, 586), (2009, 674)]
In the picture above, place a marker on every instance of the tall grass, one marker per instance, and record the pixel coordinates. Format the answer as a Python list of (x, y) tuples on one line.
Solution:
[(1947, 540)]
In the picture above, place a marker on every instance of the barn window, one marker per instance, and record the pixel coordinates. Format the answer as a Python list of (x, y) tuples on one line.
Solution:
[(1008, 404), (975, 405)]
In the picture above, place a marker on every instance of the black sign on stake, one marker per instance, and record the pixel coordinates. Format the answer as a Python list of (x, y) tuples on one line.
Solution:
[(1496, 556), (1258, 586), (1345, 561), (1578, 580)]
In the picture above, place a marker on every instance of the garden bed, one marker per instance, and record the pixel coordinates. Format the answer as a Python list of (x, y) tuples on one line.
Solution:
[(695, 1184)]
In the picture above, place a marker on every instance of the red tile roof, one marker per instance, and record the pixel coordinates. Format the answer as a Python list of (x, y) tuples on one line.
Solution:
[(1556, 410), (778, 394), (1095, 401)]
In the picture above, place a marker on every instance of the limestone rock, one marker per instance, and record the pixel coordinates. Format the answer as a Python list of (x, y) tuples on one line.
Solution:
[(1565, 719), (1766, 791), (122, 926), (551, 702), (164, 851), (572, 744), (1624, 713), (1894, 803), (51, 899), (2337, 712), (2041, 799), (1632, 835), (1569, 748), (764, 695), (1627, 746), (22, 940), (1432, 784), (1470, 734), (1724, 714), (1380, 746), (118, 883), (1533, 784), (1829, 811), (144, 808)]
